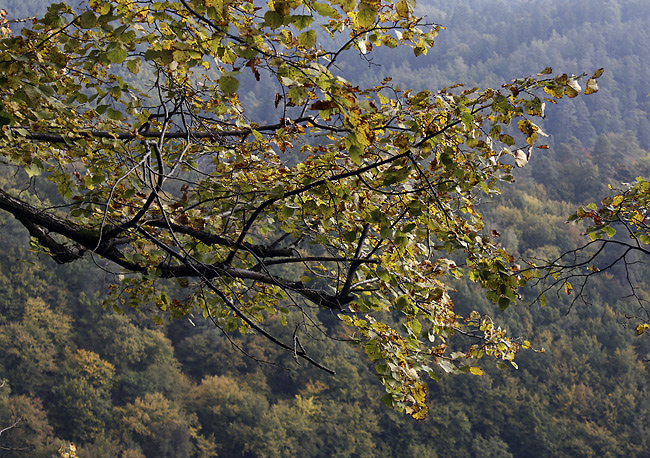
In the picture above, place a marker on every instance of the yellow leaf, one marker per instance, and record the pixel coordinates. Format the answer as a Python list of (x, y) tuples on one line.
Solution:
[(476, 370), (637, 218), (405, 8), (592, 86), (616, 201), (641, 328), (419, 392), (165, 29), (365, 18), (420, 414)]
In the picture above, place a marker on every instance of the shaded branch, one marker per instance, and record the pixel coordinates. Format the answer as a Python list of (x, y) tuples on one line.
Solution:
[(261, 251), (7, 428), (354, 265), (152, 134)]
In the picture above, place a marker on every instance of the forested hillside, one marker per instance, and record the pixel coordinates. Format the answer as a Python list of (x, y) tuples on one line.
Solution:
[(116, 383)]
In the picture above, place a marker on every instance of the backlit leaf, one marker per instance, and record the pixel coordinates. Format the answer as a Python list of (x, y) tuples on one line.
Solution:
[(87, 20), (117, 55), (366, 17), (476, 370), (228, 84), (405, 7), (592, 86), (521, 158), (307, 39)]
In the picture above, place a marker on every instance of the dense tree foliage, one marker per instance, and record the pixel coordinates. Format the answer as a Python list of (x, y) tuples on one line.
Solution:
[(122, 385), (385, 181)]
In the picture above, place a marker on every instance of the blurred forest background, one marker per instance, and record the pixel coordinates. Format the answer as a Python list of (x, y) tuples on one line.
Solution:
[(120, 385)]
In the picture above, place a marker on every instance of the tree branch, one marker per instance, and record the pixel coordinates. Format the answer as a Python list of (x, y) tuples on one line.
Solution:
[(152, 134)]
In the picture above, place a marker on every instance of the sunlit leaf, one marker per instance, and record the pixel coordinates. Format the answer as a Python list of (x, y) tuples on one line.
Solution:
[(307, 39), (521, 158), (592, 86), (476, 370)]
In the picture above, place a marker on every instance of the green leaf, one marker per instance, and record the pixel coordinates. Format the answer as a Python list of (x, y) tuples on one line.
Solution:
[(403, 302), (610, 231), (401, 239), (415, 326), (383, 274), (348, 5), (301, 21), (405, 8), (350, 236), (134, 65), (366, 17), (228, 84), (116, 55), (507, 139), (388, 400), (325, 10), (307, 39), (572, 89), (114, 114), (33, 170), (504, 303), (273, 19), (87, 20)]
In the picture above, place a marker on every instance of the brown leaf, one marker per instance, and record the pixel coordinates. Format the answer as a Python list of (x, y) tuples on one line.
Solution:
[(323, 105)]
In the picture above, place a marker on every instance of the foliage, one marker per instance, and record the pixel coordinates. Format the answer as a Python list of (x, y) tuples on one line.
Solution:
[(161, 429), (83, 398), (25, 427), (587, 395), (35, 347), (173, 178), (619, 237)]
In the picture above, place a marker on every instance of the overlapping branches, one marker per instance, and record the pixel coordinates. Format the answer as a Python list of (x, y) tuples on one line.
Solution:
[(619, 238), (347, 210)]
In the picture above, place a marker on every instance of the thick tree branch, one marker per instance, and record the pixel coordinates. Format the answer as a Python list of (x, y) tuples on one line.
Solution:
[(354, 265), (38, 222), (61, 253)]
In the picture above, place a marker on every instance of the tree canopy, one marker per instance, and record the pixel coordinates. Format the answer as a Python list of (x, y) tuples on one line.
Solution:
[(345, 203)]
